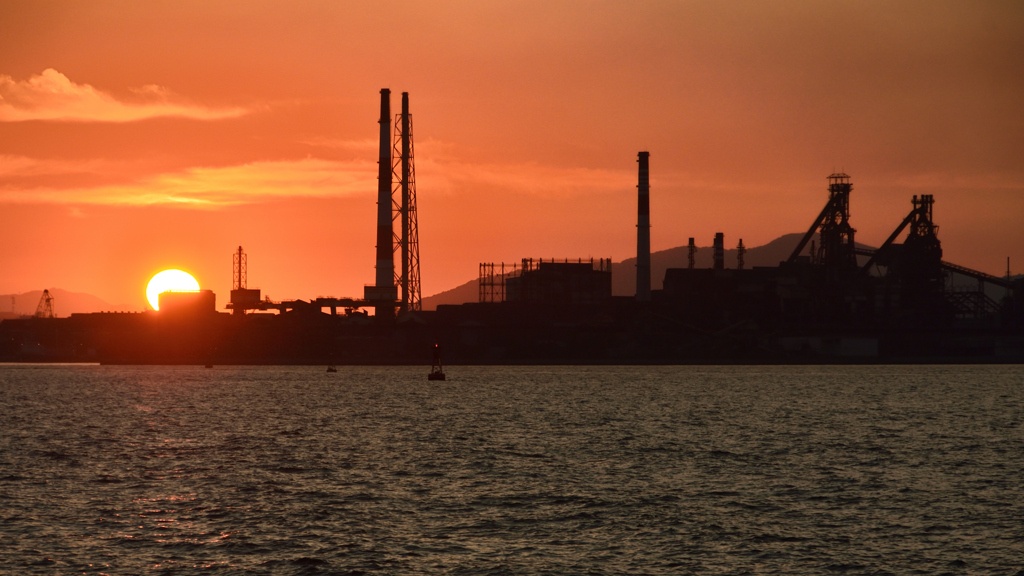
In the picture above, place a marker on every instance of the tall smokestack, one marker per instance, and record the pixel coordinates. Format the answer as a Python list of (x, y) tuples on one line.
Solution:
[(384, 288), (385, 235), (719, 254), (643, 231)]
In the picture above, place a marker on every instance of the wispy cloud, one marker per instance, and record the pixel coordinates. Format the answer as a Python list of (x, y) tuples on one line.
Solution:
[(81, 181), (52, 96), (439, 167), (526, 178), (368, 146), (208, 187), (92, 181), (938, 180)]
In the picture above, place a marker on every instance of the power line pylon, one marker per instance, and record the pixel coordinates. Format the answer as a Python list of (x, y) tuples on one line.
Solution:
[(404, 203)]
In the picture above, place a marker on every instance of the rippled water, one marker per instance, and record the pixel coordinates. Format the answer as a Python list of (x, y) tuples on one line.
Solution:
[(524, 470)]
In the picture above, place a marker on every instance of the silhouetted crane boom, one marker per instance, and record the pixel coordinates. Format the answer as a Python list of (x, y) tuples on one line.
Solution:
[(888, 241), (810, 232), (45, 307)]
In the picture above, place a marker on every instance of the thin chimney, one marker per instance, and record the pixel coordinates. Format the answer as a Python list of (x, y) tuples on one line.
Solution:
[(385, 234), (719, 253), (643, 231)]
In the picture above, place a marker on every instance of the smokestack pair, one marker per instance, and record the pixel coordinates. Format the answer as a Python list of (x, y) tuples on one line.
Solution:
[(384, 292)]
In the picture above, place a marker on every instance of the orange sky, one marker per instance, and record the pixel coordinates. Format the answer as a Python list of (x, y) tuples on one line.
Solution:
[(138, 136)]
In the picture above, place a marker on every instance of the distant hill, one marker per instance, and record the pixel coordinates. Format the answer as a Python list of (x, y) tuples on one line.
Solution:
[(770, 254), (624, 273), (64, 304), (468, 292)]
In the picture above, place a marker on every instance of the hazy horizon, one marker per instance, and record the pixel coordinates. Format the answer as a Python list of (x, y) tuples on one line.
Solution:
[(27, 301), (140, 137)]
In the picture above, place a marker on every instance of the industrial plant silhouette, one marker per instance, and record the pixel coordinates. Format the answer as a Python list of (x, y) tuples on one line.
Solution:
[(830, 300)]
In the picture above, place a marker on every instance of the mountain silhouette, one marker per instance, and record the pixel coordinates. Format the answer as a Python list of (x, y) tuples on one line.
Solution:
[(64, 304), (624, 273)]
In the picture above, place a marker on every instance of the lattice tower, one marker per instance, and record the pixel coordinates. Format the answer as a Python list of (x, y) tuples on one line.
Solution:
[(238, 271), (404, 210)]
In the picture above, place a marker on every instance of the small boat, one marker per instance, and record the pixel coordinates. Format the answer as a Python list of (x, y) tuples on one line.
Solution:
[(332, 369), (436, 371)]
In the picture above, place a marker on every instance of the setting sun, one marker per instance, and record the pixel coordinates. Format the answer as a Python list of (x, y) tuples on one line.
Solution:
[(168, 280)]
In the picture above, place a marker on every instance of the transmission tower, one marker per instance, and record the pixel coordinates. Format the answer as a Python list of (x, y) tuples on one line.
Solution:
[(404, 207), (238, 271), (45, 307), (741, 251)]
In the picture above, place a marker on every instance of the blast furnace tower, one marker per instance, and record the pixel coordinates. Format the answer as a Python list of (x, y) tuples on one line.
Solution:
[(836, 250)]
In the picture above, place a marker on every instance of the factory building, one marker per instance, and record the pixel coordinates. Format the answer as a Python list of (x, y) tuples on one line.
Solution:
[(180, 303), (831, 298)]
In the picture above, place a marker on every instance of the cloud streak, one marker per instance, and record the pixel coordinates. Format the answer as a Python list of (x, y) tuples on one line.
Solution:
[(526, 179), (210, 187), (30, 180), (52, 96)]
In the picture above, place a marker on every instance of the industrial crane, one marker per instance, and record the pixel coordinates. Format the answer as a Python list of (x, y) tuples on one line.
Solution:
[(45, 307)]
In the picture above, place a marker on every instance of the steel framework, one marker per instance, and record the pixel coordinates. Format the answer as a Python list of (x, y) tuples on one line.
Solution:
[(238, 270), (492, 280), (403, 199), (972, 303), (923, 231), (45, 307), (837, 248), (493, 276)]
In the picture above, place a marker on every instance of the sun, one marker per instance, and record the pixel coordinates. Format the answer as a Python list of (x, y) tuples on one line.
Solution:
[(168, 280)]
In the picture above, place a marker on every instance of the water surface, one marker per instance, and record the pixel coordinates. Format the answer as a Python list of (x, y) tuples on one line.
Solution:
[(512, 470)]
